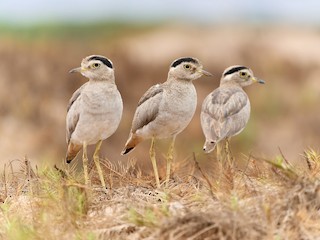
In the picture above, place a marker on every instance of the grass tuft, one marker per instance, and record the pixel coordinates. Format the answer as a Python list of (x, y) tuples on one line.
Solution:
[(263, 199)]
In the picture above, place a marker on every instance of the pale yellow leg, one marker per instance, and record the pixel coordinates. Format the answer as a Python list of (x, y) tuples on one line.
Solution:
[(228, 152), (85, 163), (169, 160), (154, 162), (220, 162), (219, 152), (97, 162)]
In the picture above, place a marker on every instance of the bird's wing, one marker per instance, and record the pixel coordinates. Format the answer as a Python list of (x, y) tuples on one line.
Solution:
[(224, 103), (148, 107), (73, 113), (219, 108), (75, 96)]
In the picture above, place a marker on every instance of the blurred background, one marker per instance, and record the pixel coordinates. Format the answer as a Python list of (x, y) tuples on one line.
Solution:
[(40, 41)]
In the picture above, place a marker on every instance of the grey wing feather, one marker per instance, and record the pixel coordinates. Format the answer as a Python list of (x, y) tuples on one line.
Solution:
[(73, 113), (219, 112), (75, 96), (148, 107), (225, 103)]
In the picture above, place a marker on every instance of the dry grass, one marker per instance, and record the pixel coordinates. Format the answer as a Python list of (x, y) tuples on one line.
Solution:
[(262, 200)]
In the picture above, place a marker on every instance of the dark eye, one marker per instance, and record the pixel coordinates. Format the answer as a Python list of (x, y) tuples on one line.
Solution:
[(187, 66), (95, 65), (243, 74)]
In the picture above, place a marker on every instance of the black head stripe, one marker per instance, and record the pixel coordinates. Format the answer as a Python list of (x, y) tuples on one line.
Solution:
[(105, 61), (233, 70), (181, 60)]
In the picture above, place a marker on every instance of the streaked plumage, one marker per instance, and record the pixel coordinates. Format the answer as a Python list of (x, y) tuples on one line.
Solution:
[(226, 111), (167, 108), (95, 109)]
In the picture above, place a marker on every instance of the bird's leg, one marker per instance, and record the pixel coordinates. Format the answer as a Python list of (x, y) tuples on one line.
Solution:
[(85, 163), (154, 162), (97, 162), (219, 152), (220, 162), (169, 160), (228, 152), (226, 149)]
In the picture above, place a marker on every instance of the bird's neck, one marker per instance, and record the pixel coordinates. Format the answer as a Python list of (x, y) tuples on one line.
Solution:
[(103, 80), (230, 84), (174, 79)]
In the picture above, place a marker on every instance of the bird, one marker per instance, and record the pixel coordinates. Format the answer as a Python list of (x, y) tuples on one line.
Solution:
[(226, 110), (94, 111), (166, 109)]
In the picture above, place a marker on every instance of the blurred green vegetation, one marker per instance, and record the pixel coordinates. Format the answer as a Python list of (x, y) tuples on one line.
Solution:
[(72, 31), (35, 60)]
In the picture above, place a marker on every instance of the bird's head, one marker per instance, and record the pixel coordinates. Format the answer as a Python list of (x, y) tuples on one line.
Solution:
[(239, 75), (96, 67), (187, 68)]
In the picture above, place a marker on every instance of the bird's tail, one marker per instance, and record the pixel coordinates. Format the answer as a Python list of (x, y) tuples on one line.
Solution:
[(72, 151), (132, 142), (209, 146)]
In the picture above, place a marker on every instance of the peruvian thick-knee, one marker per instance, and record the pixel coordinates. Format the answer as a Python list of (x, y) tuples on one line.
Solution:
[(95, 109), (167, 108), (226, 111)]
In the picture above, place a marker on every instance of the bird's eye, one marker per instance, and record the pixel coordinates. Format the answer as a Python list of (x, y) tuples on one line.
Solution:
[(95, 65), (187, 66), (243, 74)]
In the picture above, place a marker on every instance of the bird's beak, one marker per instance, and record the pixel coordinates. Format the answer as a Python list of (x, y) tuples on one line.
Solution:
[(206, 73), (258, 80), (78, 69)]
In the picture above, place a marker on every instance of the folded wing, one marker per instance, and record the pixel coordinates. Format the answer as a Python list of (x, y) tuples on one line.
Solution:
[(73, 113), (148, 108), (224, 113)]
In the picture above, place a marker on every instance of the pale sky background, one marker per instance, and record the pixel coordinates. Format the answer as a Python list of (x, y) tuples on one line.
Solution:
[(203, 11)]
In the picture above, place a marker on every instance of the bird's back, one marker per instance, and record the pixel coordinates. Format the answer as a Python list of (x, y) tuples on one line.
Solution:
[(225, 112)]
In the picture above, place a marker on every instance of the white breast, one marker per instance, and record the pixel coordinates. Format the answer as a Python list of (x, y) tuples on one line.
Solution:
[(177, 109), (100, 113)]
